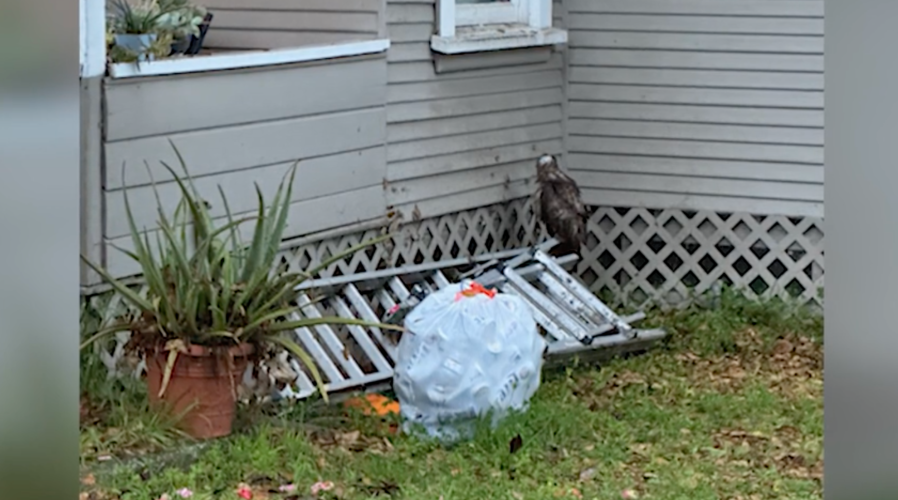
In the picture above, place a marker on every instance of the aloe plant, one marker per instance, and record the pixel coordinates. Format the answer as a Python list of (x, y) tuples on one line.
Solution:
[(206, 286)]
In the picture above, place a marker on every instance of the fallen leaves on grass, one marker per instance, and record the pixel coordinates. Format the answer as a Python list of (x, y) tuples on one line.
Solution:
[(377, 488), (353, 441), (753, 450), (792, 367)]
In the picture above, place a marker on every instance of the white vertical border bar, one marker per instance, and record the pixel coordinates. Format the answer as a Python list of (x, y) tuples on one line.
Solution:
[(92, 37), (446, 18), (540, 13)]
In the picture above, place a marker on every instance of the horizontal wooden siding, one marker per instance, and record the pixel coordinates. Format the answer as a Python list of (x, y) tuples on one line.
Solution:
[(240, 128), (469, 137), (698, 104)]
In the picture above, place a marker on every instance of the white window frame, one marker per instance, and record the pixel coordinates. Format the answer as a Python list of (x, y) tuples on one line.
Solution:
[(494, 26), (510, 12), (92, 53)]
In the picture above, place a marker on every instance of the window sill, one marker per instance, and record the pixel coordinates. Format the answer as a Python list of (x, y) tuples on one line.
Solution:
[(253, 59), (469, 39)]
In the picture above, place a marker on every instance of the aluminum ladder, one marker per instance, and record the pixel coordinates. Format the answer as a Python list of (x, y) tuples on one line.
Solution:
[(351, 358)]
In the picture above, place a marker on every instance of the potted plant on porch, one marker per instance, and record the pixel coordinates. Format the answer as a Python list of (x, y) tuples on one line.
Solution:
[(135, 28), (212, 304), (186, 22)]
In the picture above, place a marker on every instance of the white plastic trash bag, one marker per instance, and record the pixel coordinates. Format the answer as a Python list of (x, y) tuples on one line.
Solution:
[(467, 351)]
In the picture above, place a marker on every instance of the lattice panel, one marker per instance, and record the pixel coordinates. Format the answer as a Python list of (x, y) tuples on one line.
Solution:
[(641, 256), (470, 233), (637, 255)]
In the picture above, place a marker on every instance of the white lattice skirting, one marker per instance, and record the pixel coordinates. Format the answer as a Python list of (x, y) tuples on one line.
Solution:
[(637, 255)]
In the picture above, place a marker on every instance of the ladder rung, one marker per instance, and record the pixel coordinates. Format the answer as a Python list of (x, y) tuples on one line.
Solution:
[(361, 305), (440, 279), (339, 351), (362, 338), (579, 311), (583, 293), (317, 353), (399, 289), (550, 309), (550, 327)]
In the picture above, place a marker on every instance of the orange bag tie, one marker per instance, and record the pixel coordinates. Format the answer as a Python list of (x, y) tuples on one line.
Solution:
[(475, 289)]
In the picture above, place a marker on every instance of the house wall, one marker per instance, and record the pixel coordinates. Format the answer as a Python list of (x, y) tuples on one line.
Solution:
[(237, 128), (694, 104), (464, 131), (273, 24), (698, 104)]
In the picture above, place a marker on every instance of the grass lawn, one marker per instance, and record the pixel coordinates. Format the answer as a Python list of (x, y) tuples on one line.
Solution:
[(730, 407)]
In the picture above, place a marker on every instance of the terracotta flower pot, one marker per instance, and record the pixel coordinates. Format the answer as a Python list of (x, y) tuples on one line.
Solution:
[(201, 391)]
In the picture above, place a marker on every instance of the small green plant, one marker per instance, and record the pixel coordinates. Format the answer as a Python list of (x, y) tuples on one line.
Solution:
[(205, 286), (182, 18), (139, 18)]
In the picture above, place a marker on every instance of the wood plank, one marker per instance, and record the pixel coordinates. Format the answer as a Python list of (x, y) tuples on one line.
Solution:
[(466, 200), (424, 71), (296, 20), (239, 39), (427, 110), (415, 190), (694, 60), (305, 5), (167, 105), (699, 185), (398, 13), (469, 160), (314, 178), (472, 86), (721, 97), (699, 132), (652, 199), (305, 217), (781, 8), (698, 114), (470, 142), (409, 52), (650, 23), (698, 78), (469, 124), (401, 33), (225, 149), (694, 149), (705, 42), (697, 167)]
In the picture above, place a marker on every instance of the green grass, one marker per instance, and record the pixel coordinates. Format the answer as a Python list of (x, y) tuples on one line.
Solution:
[(729, 407)]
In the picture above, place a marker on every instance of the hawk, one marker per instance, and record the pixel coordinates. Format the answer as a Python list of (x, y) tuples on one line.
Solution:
[(557, 204)]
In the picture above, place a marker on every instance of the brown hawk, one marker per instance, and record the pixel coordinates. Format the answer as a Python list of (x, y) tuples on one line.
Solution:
[(557, 204)]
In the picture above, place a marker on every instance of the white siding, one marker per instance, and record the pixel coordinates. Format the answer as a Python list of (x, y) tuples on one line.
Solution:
[(700, 104), (468, 137), (273, 24), (244, 127)]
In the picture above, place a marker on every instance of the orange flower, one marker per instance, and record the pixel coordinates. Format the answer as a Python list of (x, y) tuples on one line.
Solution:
[(374, 403)]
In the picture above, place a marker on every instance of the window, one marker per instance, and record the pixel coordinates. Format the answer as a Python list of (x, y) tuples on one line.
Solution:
[(235, 34), (484, 25)]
